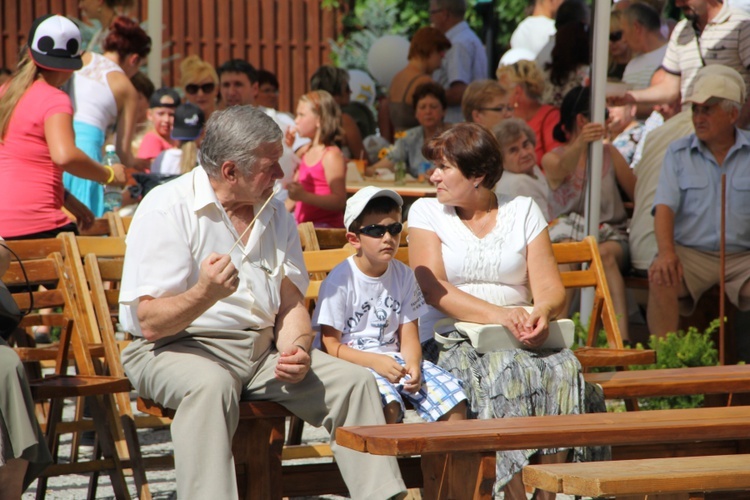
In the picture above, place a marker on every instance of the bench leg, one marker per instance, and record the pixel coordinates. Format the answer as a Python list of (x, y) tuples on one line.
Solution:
[(458, 476), (257, 447)]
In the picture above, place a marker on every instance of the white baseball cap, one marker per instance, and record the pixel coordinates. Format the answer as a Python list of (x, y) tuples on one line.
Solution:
[(716, 80), (357, 203)]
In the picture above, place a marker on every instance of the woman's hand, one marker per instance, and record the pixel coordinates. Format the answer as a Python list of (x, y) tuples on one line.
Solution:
[(515, 320), (120, 176), (84, 216), (591, 132), (536, 329)]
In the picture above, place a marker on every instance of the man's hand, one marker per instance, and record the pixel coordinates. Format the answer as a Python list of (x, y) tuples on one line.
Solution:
[(218, 276), (293, 365), (388, 368), (666, 270), (621, 100)]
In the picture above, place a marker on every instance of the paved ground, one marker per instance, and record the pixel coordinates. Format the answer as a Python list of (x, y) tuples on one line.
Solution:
[(161, 482)]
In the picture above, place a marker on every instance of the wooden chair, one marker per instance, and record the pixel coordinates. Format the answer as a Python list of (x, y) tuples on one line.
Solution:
[(586, 253), (118, 223), (56, 276)]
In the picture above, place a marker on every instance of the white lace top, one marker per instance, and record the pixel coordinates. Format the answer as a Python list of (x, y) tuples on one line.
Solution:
[(492, 268)]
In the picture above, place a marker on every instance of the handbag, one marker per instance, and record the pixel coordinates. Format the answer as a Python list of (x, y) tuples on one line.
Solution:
[(10, 314), (489, 338)]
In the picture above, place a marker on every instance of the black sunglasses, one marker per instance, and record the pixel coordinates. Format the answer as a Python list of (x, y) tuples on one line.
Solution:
[(615, 36), (193, 88), (378, 230)]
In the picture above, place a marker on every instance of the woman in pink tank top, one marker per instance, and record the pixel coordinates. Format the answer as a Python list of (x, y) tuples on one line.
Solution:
[(319, 189)]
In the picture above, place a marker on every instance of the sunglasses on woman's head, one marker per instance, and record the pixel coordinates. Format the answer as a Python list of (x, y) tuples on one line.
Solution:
[(193, 88), (379, 230)]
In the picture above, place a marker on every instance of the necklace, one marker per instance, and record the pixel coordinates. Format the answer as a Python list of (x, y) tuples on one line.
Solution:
[(485, 218)]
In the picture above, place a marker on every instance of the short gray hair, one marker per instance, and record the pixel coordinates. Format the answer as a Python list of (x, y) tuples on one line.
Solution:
[(235, 134), (508, 131), (728, 105)]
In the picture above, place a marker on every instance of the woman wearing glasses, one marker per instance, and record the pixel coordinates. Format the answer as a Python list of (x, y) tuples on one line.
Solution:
[(200, 82), (487, 103), (525, 83), (565, 169), (479, 257)]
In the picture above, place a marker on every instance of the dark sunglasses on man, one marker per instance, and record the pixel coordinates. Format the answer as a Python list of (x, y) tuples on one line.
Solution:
[(379, 230), (615, 36), (193, 88)]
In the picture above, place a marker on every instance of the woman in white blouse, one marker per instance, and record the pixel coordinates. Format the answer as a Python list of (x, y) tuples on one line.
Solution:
[(479, 257)]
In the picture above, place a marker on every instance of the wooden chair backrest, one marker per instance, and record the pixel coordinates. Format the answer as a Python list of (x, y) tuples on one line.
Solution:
[(586, 252), (102, 226), (119, 224), (307, 237), (59, 292), (322, 261)]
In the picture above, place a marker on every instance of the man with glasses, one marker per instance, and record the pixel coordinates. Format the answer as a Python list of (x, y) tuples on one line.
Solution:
[(710, 33), (213, 291), (688, 205), (465, 61)]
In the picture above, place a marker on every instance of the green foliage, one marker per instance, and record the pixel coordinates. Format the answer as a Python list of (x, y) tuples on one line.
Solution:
[(681, 350), (582, 334)]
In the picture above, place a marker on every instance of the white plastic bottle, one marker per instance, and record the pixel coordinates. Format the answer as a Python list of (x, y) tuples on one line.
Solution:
[(112, 194)]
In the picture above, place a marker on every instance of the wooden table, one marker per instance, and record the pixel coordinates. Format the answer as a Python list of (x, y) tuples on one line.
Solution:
[(458, 457), (409, 192)]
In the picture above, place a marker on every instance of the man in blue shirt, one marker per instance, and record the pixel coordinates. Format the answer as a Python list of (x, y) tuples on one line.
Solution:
[(687, 206)]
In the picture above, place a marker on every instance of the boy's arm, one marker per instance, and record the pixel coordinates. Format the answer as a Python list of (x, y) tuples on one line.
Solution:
[(383, 364), (411, 351)]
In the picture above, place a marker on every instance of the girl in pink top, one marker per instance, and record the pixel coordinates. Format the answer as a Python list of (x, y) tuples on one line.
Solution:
[(36, 137), (320, 187)]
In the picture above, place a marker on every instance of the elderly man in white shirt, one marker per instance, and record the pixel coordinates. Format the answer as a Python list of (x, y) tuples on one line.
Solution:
[(215, 323)]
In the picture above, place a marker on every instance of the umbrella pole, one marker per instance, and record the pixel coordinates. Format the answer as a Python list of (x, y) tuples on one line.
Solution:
[(722, 265)]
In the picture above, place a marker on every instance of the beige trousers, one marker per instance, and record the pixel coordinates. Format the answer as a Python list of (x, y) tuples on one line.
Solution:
[(204, 374)]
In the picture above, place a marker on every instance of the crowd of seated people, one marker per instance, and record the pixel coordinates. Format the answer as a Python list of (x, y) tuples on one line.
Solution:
[(520, 158)]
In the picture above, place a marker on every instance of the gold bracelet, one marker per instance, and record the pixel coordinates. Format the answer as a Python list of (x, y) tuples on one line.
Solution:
[(111, 174)]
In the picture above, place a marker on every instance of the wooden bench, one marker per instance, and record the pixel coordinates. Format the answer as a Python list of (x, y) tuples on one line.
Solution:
[(693, 475), (458, 458)]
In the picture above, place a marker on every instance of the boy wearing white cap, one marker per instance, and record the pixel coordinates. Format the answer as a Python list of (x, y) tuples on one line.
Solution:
[(368, 308)]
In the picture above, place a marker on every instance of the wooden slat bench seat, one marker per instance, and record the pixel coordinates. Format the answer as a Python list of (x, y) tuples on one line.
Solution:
[(258, 448), (693, 475), (458, 457), (725, 379)]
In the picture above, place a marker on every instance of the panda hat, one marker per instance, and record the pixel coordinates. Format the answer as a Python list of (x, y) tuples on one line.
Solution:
[(55, 43)]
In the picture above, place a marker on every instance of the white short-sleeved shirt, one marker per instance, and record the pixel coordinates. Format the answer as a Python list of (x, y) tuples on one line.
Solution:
[(492, 268), (465, 61), (178, 225), (725, 40), (366, 310), (533, 33)]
